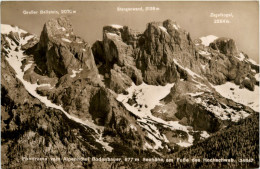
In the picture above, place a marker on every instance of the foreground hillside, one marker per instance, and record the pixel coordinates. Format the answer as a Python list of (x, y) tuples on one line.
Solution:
[(239, 142)]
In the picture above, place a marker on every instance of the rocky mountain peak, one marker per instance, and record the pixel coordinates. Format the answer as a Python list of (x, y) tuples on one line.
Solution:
[(169, 24), (55, 27), (165, 51), (55, 30), (61, 52)]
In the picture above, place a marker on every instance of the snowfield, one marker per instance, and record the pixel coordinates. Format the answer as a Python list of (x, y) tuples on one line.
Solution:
[(6, 29), (147, 97), (243, 96), (208, 39)]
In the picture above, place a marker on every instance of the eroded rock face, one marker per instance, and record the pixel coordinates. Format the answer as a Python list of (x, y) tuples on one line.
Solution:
[(144, 57), (114, 55), (165, 52), (225, 46), (60, 51), (155, 57), (230, 66)]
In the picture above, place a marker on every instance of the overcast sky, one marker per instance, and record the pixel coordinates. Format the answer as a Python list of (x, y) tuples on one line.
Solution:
[(194, 17)]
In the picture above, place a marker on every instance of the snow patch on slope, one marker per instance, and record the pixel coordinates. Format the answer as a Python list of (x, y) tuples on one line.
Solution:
[(66, 40), (163, 29), (224, 112), (116, 26), (204, 134), (243, 96), (208, 39), (147, 97), (28, 66), (252, 61), (195, 94), (112, 34), (257, 76), (6, 29), (74, 72), (184, 144), (193, 74), (62, 28), (241, 57), (204, 52), (176, 26)]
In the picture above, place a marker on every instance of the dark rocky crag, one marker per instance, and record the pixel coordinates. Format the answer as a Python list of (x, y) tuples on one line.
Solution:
[(59, 51), (154, 53)]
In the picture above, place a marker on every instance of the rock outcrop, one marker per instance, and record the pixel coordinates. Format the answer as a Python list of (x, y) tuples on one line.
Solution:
[(115, 56), (225, 46)]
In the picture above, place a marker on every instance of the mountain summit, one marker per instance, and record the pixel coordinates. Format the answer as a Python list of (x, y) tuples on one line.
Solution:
[(62, 52)]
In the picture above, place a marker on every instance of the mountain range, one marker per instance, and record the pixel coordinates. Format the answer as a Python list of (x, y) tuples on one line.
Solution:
[(157, 93)]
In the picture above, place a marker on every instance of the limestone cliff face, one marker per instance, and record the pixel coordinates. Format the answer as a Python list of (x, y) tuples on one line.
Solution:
[(114, 55), (160, 44), (226, 63), (163, 52), (60, 51)]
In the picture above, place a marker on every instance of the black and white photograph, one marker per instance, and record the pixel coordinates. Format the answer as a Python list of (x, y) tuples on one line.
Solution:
[(129, 84)]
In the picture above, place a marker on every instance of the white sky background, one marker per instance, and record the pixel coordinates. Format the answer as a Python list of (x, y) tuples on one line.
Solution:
[(195, 17)]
